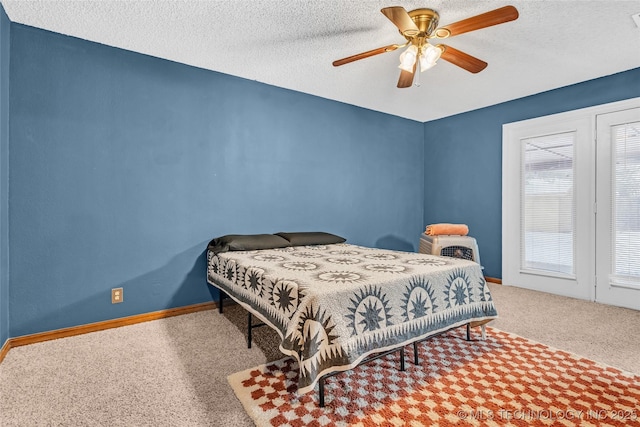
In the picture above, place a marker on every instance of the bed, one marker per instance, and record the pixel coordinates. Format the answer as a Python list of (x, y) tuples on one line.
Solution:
[(335, 304)]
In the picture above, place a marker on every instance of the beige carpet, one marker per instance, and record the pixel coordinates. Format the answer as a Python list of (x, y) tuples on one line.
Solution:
[(173, 372), (607, 334)]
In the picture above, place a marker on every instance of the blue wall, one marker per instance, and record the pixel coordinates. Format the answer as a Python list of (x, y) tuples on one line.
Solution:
[(5, 46), (463, 157), (124, 166)]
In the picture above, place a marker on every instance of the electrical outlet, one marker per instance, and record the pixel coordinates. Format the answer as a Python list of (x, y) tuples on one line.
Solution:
[(116, 295)]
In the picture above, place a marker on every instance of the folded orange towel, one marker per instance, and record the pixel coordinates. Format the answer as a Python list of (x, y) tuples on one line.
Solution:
[(450, 229)]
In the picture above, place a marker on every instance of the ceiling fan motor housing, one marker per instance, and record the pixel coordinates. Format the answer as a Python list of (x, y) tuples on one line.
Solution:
[(425, 19)]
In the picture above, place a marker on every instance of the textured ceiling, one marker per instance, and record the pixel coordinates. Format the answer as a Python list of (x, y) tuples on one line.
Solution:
[(292, 43)]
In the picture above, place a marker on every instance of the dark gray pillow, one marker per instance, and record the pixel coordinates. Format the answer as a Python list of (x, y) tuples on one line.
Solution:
[(247, 242), (311, 238)]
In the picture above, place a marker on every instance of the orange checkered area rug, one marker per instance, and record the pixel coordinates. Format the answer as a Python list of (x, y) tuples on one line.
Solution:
[(505, 380)]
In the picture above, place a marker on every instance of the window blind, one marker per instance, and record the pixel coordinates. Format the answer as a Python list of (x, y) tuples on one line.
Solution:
[(625, 194), (548, 203)]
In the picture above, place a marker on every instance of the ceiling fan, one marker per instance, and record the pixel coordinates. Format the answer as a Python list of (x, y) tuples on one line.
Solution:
[(420, 25)]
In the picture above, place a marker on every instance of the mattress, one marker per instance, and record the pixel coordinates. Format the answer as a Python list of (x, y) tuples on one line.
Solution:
[(334, 305)]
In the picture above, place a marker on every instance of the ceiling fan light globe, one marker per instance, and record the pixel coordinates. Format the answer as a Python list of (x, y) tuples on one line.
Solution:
[(432, 54), (408, 58), (424, 64), (405, 67)]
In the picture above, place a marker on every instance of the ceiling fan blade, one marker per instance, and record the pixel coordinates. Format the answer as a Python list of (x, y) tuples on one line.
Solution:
[(406, 77), (401, 19), (488, 19), (462, 60), (366, 54)]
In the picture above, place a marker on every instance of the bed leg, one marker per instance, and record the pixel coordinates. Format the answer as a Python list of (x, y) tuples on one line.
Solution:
[(416, 359), (321, 391), (484, 332), (249, 322), (402, 358), (221, 303), (468, 331)]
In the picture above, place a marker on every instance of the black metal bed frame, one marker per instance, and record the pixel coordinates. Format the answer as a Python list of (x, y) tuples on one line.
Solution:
[(321, 380)]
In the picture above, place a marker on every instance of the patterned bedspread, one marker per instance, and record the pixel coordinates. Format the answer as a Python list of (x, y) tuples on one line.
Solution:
[(333, 305)]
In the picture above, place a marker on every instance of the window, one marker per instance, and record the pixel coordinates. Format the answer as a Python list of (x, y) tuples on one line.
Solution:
[(625, 195), (548, 203)]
